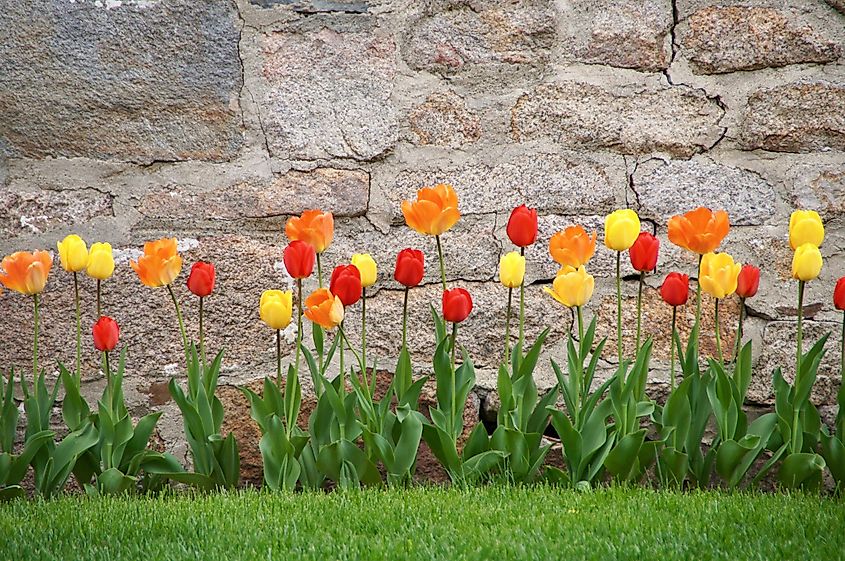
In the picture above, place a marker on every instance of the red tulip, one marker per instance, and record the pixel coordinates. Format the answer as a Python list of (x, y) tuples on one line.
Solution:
[(748, 281), (457, 304), (106, 333), (201, 279), (346, 284), (410, 267), (299, 257), (643, 253), (522, 226), (839, 294), (675, 289)]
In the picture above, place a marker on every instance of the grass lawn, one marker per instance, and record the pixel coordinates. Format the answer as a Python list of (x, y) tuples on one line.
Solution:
[(429, 523)]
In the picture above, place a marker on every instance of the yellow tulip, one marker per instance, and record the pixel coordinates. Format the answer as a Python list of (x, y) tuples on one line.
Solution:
[(572, 287), (366, 265), (276, 308), (718, 274), (621, 228), (512, 269), (73, 253), (805, 226), (100, 261), (807, 262)]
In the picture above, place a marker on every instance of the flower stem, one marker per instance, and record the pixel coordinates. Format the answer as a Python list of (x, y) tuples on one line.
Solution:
[(698, 300), (718, 335), (364, 333), (619, 305), (580, 324), (672, 350), (739, 328), (800, 334), (298, 324), (508, 327), (35, 341), (108, 375), (202, 338), (279, 358), (842, 354), (179, 317), (99, 299), (319, 272), (342, 337), (78, 327), (442, 263), (344, 340), (522, 307), (405, 319), (454, 389), (639, 308)]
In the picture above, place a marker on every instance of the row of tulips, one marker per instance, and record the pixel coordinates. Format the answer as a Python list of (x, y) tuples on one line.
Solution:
[(608, 431)]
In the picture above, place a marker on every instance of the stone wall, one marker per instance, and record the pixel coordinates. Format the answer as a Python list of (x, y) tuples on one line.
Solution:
[(213, 120)]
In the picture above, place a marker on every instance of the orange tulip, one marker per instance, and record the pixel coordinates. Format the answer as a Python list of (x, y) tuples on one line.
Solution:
[(314, 226), (434, 211), (26, 272), (324, 308), (572, 247), (160, 264), (700, 230)]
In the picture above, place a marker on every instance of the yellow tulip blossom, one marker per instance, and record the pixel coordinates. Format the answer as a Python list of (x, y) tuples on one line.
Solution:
[(621, 228), (805, 226), (276, 308), (366, 265), (718, 274), (73, 253), (806, 262), (572, 287), (100, 261), (512, 269)]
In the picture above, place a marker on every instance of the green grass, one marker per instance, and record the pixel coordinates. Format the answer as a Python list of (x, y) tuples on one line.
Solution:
[(429, 523)]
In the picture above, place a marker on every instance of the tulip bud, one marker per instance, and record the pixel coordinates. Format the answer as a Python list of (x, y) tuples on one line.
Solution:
[(718, 274), (366, 266), (73, 253), (299, 257), (748, 281), (100, 261), (675, 289), (106, 333), (512, 269), (805, 226), (410, 267), (643, 253), (572, 287), (621, 228), (276, 308), (457, 304), (201, 279), (839, 294), (806, 262), (522, 226), (346, 284)]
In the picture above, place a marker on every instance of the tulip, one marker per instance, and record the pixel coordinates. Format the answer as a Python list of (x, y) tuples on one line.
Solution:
[(621, 228), (700, 230), (643, 253), (276, 308), (806, 262), (457, 304), (73, 253), (299, 257), (100, 261), (160, 263), (367, 269), (674, 291), (572, 287), (718, 275), (746, 287), (346, 284), (316, 228), (201, 279), (522, 226), (572, 247), (410, 267), (512, 269), (434, 211), (324, 308), (805, 226), (106, 333), (839, 294), (26, 272)]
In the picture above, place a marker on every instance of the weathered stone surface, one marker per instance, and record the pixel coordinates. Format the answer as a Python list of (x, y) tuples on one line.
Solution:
[(677, 120), (837, 5), (328, 94), (455, 36), (747, 197), (821, 188), (730, 38), (317, 6), (444, 120), (625, 34), (138, 82), (344, 192), (45, 210), (797, 117)]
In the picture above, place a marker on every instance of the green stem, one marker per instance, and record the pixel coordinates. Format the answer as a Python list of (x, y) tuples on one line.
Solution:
[(78, 327), (108, 375), (698, 301), (99, 300), (279, 358), (639, 308), (718, 335), (842, 356), (800, 334), (739, 329), (453, 410), (35, 341), (580, 324), (364, 333), (179, 317), (405, 319), (298, 324), (619, 305), (319, 272), (672, 350), (342, 337), (344, 340), (442, 263), (202, 339), (508, 327), (522, 307)]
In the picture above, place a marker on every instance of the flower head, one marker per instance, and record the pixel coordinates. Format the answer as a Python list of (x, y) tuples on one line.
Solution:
[(839, 294), (675, 289), (718, 274), (700, 230), (201, 279), (366, 266), (522, 226), (457, 304), (299, 257), (73, 253), (434, 211), (160, 264), (346, 284), (805, 226), (573, 246), (276, 308), (26, 272), (313, 226), (512, 269), (106, 333), (410, 267), (748, 281), (621, 228), (324, 308), (806, 262), (643, 253), (100, 261), (572, 287)]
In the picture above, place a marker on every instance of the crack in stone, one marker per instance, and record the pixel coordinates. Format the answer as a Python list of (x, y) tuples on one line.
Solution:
[(244, 87)]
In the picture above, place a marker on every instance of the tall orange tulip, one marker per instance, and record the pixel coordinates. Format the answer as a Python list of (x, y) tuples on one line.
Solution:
[(700, 230), (324, 308), (26, 272), (573, 246), (160, 264), (435, 211), (313, 226)]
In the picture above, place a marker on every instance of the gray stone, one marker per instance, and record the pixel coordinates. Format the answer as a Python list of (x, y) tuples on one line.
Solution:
[(625, 34), (820, 188), (38, 212), (677, 120), (729, 38), (805, 116), (665, 189), (444, 120), (137, 82), (327, 94)]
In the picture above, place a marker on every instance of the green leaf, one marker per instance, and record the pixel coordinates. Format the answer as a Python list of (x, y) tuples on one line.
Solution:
[(801, 470)]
